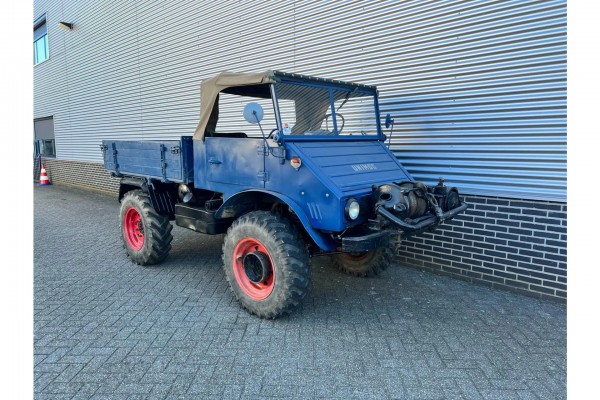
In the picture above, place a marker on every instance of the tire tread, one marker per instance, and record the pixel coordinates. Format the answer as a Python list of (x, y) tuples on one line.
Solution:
[(369, 268), (157, 230), (292, 259)]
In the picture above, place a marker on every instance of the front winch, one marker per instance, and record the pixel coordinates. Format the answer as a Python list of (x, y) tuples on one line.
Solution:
[(407, 200), (413, 206)]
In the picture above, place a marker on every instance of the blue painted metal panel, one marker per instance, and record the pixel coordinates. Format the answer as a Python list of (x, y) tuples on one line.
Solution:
[(353, 166), (322, 239), (166, 160), (233, 161), (331, 173), (313, 192), (228, 165)]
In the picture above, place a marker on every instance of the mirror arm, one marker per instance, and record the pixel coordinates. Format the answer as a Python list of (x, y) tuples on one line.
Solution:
[(261, 129)]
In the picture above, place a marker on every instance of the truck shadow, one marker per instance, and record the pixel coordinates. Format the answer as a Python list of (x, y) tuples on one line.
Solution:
[(400, 294)]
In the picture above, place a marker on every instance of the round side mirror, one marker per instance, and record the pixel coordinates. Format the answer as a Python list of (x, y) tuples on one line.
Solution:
[(253, 113), (388, 121)]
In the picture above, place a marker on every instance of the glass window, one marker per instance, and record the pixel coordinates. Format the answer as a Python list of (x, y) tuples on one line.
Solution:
[(40, 41), (355, 115), (306, 110), (287, 110), (49, 148), (45, 148)]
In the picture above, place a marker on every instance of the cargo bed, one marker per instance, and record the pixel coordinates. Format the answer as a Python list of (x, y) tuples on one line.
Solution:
[(166, 160)]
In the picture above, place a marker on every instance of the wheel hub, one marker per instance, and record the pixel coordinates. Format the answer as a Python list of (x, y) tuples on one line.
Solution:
[(257, 266), (253, 268), (134, 229)]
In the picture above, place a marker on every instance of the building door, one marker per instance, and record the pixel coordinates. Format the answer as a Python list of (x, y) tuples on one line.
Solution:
[(43, 129)]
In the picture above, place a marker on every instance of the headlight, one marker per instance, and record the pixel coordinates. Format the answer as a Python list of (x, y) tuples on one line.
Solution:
[(352, 209)]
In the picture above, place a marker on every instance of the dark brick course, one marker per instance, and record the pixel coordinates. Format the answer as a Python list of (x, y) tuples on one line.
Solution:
[(521, 242)]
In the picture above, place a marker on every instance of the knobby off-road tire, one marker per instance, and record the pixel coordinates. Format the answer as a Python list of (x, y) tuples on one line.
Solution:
[(146, 234), (262, 239), (366, 264)]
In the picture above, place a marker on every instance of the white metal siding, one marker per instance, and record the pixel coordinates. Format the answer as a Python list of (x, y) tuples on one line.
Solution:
[(477, 88)]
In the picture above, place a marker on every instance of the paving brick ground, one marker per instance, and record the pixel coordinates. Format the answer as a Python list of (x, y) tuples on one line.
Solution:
[(108, 329)]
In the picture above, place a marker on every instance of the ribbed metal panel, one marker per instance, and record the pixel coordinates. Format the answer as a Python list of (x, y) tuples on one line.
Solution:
[(477, 88)]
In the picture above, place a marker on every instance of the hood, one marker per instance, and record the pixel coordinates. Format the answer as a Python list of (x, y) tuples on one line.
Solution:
[(352, 166)]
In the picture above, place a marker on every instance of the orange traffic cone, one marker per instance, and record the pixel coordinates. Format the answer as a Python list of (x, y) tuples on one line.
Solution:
[(44, 177)]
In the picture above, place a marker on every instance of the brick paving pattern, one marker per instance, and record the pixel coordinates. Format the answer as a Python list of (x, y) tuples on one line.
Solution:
[(108, 329)]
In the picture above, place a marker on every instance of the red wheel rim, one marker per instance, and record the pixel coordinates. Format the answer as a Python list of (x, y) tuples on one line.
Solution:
[(256, 291), (134, 229)]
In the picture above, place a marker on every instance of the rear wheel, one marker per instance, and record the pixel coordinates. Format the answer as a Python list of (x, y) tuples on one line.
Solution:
[(266, 264), (146, 234), (369, 263)]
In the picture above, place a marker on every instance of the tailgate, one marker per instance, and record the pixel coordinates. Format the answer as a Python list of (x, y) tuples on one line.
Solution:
[(167, 160)]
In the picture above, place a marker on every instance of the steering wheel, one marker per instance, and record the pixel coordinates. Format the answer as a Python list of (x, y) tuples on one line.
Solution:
[(343, 123), (340, 129), (270, 135)]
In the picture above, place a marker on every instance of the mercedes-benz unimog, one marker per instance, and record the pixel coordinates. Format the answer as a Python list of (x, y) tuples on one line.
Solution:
[(287, 166)]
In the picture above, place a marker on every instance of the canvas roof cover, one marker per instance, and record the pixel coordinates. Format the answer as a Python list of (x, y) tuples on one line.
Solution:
[(210, 89)]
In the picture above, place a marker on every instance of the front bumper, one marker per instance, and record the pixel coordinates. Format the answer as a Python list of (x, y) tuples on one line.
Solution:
[(383, 237), (359, 244), (422, 223)]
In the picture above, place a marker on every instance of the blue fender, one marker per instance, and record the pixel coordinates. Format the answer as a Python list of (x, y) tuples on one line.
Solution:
[(322, 240)]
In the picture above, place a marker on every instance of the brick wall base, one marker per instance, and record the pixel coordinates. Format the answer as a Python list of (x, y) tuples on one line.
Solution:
[(83, 175), (519, 245)]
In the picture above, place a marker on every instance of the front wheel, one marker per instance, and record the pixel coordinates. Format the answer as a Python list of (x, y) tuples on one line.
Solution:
[(369, 263), (266, 264)]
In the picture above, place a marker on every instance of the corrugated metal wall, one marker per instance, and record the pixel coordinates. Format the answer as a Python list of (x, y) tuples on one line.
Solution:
[(478, 88)]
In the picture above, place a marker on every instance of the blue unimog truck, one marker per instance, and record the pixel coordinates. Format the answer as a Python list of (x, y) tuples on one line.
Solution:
[(294, 166)]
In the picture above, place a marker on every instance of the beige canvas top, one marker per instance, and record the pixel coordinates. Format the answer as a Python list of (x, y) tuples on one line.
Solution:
[(307, 108), (210, 89)]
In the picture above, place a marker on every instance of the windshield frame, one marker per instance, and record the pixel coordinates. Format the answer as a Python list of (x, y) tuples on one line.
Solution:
[(330, 87)]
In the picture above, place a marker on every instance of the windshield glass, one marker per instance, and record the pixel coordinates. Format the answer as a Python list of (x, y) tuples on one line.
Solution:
[(307, 110)]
